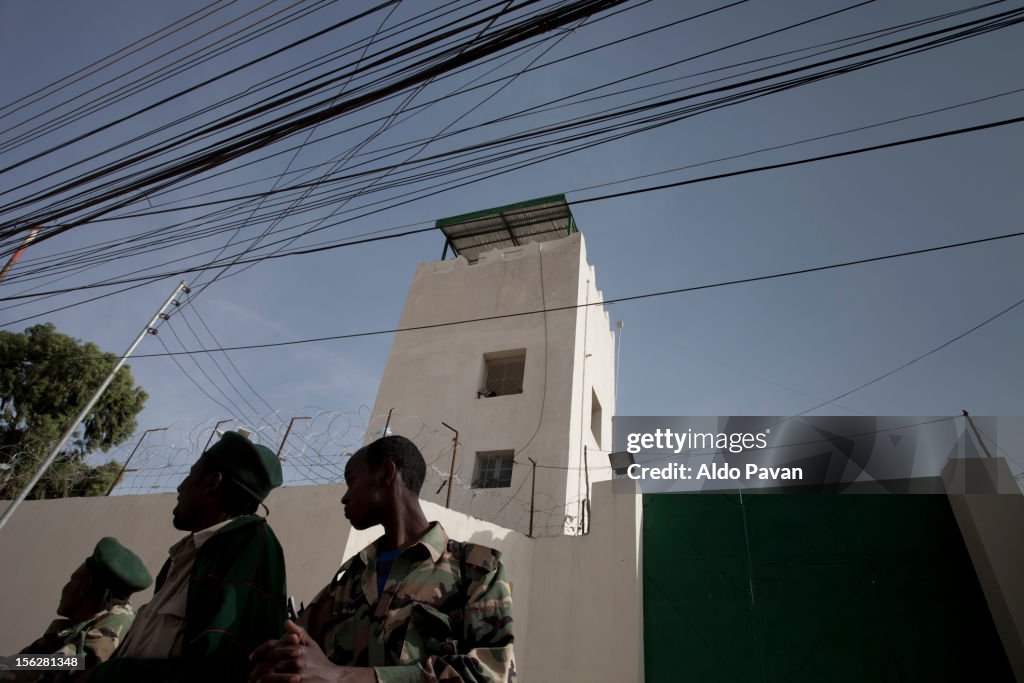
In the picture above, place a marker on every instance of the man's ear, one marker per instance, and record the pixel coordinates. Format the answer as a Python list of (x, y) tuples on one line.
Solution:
[(212, 482), (389, 473)]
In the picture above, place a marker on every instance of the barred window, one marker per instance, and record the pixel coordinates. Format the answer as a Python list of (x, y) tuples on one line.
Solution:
[(493, 470), (503, 373)]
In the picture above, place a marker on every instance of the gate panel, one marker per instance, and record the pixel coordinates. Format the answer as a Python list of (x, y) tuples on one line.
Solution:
[(812, 588)]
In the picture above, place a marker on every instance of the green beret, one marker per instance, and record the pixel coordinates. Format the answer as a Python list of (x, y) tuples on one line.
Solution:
[(253, 467), (117, 568)]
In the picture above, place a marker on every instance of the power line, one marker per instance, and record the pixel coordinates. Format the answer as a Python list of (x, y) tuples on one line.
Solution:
[(248, 91), (623, 299), (354, 152), (238, 413), (587, 200), (787, 164), (312, 130), (71, 78), (681, 290), (970, 29), (786, 145), (283, 127), (105, 254), (878, 33), (83, 110), (921, 357), (340, 52), (297, 93), (654, 188), (172, 354), (213, 359), (227, 357)]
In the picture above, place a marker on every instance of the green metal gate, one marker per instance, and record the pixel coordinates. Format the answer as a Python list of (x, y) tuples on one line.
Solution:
[(815, 588)]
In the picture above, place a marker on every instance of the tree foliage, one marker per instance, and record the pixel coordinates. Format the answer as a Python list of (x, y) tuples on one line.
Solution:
[(45, 378)]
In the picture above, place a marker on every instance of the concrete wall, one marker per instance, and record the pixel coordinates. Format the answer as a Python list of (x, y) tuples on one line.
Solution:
[(587, 598), (577, 599), (594, 379), (993, 530), (433, 376)]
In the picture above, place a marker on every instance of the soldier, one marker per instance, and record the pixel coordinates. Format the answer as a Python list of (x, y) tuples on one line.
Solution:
[(95, 607), (412, 606), (222, 591)]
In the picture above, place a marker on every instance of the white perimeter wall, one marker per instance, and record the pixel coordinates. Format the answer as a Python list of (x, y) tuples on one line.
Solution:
[(577, 599)]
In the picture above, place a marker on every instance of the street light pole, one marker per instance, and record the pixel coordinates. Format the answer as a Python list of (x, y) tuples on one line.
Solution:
[(55, 451)]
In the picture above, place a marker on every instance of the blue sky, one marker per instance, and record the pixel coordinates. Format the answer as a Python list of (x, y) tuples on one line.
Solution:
[(773, 348)]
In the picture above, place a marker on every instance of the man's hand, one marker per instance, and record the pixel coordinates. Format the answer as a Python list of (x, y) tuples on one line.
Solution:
[(270, 653), (297, 658)]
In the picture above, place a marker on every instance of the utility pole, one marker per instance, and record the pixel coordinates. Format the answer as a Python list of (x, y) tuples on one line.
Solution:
[(288, 431), (148, 329), (21, 250), (129, 458)]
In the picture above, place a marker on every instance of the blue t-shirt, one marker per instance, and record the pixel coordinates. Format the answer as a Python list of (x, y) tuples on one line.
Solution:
[(384, 562)]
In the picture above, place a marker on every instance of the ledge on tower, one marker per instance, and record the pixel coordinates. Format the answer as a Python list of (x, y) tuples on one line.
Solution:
[(536, 220)]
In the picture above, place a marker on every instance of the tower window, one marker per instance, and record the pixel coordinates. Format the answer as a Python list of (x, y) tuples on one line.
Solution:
[(503, 373), (493, 470), (595, 417)]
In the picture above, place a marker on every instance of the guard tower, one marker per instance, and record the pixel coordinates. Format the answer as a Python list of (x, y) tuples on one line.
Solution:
[(508, 345)]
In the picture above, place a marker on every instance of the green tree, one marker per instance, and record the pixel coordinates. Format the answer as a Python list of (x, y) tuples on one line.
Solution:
[(45, 379)]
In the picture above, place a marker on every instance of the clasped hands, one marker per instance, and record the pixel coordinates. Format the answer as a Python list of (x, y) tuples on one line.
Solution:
[(296, 658)]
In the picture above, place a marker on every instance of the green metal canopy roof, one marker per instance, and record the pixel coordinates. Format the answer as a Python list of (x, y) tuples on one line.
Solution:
[(537, 220)]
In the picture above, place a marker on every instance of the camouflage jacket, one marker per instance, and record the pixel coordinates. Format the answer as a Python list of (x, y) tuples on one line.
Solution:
[(95, 639), (445, 614)]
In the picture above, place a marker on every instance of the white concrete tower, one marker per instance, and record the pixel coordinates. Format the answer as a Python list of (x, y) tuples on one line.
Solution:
[(516, 383)]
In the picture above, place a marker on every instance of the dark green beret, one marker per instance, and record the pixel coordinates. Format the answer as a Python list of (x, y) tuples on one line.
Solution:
[(117, 568), (253, 467)]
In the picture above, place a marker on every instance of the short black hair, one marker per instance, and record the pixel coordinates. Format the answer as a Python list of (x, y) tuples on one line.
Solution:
[(407, 458)]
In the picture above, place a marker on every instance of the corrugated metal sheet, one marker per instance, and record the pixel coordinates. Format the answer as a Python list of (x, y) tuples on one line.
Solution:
[(537, 220)]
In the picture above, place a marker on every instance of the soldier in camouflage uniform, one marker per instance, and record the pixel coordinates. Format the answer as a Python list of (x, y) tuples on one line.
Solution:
[(94, 604), (412, 606)]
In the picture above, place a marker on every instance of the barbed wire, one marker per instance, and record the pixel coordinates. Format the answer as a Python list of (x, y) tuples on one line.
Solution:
[(314, 444), (155, 461), (510, 507)]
